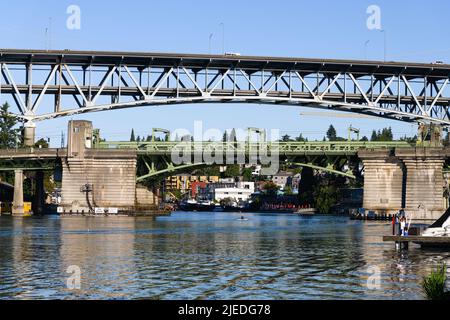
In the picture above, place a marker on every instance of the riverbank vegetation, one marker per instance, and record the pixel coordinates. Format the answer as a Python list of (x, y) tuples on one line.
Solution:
[(434, 285)]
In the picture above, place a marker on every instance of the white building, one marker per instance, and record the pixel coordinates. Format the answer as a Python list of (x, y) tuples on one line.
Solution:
[(241, 192)]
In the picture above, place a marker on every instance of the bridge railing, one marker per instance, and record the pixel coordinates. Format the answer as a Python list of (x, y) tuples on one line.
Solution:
[(166, 147)]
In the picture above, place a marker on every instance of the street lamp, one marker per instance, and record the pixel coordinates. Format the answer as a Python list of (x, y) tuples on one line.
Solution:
[(210, 38), (385, 41), (223, 37), (365, 49)]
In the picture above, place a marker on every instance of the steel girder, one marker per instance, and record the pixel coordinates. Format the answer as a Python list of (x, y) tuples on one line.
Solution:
[(83, 82), (166, 148)]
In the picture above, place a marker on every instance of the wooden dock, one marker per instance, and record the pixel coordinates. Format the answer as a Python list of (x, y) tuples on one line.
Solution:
[(421, 240)]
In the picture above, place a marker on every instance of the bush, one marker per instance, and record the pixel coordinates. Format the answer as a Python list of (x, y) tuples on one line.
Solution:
[(434, 284)]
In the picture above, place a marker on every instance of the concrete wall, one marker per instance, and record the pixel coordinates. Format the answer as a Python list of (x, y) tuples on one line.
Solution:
[(111, 174), (410, 179), (424, 183), (383, 182)]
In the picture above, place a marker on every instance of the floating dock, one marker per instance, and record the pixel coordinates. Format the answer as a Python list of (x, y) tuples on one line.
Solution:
[(403, 242)]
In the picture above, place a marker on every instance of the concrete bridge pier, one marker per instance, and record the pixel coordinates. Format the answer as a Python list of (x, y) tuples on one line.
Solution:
[(383, 182), (18, 207), (424, 182), (29, 134)]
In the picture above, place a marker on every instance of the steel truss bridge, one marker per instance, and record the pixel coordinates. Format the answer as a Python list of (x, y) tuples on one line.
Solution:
[(50, 84), (155, 158), (340, 158)]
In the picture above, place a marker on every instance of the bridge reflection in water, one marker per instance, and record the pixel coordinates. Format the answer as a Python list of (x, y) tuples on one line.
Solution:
[(206, 256)]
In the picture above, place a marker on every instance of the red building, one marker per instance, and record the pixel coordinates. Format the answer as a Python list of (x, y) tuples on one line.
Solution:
[(196, 186)]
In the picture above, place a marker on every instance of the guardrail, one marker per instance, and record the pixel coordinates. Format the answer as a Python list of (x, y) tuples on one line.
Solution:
[(162, 147)]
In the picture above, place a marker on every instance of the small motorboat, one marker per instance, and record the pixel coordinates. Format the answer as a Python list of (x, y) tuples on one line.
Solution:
[(306, 211)]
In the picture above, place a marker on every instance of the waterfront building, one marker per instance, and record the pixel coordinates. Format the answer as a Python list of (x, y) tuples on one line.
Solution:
[(240, 191), (281, 179)]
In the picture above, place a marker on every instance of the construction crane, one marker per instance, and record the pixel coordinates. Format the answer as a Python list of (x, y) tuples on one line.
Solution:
[(354, 130), (260, 132), (159, 130)]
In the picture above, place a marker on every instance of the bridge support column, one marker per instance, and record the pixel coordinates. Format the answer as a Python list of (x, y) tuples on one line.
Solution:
[(424, 182), (18, 208), (29, 134), (39, 193), (383, 182)]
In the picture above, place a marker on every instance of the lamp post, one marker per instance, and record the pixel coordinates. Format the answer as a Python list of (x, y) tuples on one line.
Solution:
[(385, 42), (223, 37), (210, 38), (365, 49)]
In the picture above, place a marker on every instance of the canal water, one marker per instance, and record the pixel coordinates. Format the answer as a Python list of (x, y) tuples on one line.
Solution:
[(207, 256)]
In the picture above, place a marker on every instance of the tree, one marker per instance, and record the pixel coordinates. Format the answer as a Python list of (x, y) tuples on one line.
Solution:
[(286, 138), (382, 135), (133, 138), (41, 143), (300, 138), (331, 133), (225, 137), (374, 136), (232, 171), (9, 136), (325, 198), (247, 173), (288, 191), (271, 188)]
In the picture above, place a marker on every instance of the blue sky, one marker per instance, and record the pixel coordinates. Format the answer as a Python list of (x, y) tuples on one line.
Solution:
[(417, 31)]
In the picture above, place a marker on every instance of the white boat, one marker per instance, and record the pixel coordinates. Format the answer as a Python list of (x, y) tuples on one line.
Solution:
[(441, 228), (306, 211)]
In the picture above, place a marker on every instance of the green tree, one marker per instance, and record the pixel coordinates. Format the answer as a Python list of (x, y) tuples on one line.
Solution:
[(225, 137), (9, 136), (232, 171), (271, 188), (41, 143), (300, 138), (374, 136), (288, 191), (325, 198), (331, 133), (133, 137), (247, 174)]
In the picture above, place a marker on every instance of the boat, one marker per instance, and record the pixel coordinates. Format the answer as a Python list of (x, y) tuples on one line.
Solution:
[(233, 206), (194, 205), (435, 236), (306, 211)]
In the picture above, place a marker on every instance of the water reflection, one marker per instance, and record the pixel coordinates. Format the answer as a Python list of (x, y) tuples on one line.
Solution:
[(206, 256)]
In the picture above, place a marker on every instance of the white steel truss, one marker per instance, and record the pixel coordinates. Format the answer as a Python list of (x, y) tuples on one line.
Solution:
[(44, 90)]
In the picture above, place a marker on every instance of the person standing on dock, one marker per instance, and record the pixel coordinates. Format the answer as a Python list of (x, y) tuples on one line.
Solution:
[(403, 225)]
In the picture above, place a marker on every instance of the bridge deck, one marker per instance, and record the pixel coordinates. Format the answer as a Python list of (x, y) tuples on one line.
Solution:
[(144, 59)]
